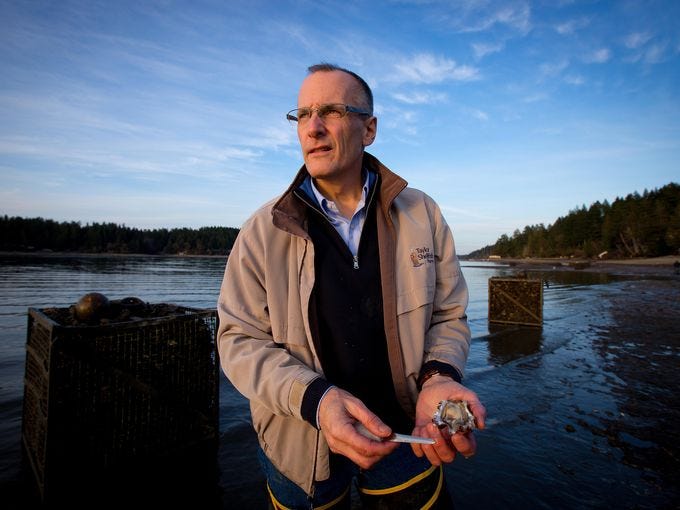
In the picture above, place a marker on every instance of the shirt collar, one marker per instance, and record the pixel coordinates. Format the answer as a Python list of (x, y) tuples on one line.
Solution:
[(326, 204), (312, 192)]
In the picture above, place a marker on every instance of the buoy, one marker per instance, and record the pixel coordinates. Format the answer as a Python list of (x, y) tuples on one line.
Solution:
[(91, 306)]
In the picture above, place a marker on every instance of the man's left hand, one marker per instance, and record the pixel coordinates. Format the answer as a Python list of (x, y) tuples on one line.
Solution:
[(436, 389)]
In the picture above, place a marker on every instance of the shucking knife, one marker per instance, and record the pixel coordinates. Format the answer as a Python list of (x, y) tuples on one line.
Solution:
[(394, 438)]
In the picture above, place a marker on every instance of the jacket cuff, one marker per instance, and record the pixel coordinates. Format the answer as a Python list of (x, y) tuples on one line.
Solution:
[(310, 401), (433, 367)]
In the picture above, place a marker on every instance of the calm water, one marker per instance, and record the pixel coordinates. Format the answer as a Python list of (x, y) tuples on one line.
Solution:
[(552, 393)]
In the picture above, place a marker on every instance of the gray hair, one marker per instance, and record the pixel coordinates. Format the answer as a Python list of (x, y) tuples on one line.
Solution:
[(325, 67)]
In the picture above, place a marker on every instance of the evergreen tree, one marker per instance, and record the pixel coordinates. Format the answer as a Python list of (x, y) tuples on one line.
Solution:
[(35, 234), (638, 225)]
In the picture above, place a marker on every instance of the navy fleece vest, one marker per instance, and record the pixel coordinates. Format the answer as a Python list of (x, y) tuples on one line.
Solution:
[(347, 315)]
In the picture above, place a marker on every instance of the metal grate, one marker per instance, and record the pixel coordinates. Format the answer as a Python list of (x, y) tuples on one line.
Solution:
[(516, 301), (104, 397)]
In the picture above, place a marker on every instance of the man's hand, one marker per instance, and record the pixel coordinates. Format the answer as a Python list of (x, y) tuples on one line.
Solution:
[(436, 389), (339, 411)]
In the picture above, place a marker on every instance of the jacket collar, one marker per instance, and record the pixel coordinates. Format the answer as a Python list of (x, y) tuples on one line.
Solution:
[(289, 214)]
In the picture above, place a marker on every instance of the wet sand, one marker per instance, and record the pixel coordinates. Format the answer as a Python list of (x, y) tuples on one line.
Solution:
[(584, 412), (642, 349)]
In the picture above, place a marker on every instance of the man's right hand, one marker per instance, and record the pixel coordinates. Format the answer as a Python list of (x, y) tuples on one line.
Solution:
[(339, 411)]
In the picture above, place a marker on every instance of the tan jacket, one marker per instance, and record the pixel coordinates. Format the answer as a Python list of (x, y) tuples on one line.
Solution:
[(264, 338)]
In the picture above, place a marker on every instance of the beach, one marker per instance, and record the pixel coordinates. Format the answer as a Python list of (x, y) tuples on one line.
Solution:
[(605, 418)]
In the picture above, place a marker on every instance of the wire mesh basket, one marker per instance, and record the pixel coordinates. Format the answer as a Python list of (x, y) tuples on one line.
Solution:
[(516, 301), (101, 398)]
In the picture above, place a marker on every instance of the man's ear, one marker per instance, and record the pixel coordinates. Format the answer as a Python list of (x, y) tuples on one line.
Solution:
[(371, 127)]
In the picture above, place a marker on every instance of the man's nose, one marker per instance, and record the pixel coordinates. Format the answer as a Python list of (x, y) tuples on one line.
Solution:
[(315, 125)]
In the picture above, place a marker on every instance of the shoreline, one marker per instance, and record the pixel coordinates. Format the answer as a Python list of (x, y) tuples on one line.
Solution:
[(66, 254), (665, 260), (666, 266)]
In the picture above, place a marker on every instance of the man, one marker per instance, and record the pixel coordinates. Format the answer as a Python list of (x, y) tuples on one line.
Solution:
[(343, 305)]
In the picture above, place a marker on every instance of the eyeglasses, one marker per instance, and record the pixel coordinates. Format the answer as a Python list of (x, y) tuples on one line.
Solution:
[(324, 111)]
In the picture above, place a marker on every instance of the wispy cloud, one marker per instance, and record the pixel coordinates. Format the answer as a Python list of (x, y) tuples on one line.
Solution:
[(598, 56), (655, 53), (574, 79), (636, 39), (552, 69), (479, 115), (648, 49), (481, 15), (399, 120), (428, 69), (146, 160), (420, 97), (469, 16), (572, 25), (535, 98), (481, 50)]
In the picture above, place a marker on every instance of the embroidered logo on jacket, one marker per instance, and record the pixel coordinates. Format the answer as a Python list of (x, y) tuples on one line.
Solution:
[(420, 256)]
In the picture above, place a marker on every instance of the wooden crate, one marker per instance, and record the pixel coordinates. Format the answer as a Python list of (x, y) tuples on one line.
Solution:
[(516, 301), (100, 401)]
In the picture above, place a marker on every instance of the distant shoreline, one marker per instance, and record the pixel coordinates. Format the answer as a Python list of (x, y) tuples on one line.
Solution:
[(667, 260), (64, 254), (661, 266)]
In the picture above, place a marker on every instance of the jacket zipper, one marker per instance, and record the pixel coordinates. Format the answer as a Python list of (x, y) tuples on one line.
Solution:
[(367, 206), (355, 258)]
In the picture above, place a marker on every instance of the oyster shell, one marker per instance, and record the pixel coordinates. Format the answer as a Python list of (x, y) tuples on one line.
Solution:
[(455, 415)]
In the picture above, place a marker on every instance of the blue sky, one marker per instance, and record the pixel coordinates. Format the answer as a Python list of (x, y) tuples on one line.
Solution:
[(170, 114)]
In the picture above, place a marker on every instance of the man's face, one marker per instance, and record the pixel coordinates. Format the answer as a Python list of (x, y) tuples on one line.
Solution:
[(333, 148)]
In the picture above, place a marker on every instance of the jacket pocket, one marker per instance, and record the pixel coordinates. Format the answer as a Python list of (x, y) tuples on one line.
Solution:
[(415, 298), (289, 335), (295, 341)]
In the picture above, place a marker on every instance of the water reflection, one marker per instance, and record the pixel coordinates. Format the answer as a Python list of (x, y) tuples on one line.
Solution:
[(508, 343), (572, 278)]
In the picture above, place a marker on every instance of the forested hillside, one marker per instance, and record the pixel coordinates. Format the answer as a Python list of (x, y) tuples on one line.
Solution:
[(646, 225), (37, 234)]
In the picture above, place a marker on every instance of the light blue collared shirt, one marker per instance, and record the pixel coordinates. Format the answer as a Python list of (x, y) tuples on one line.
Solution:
[(349, 229)]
